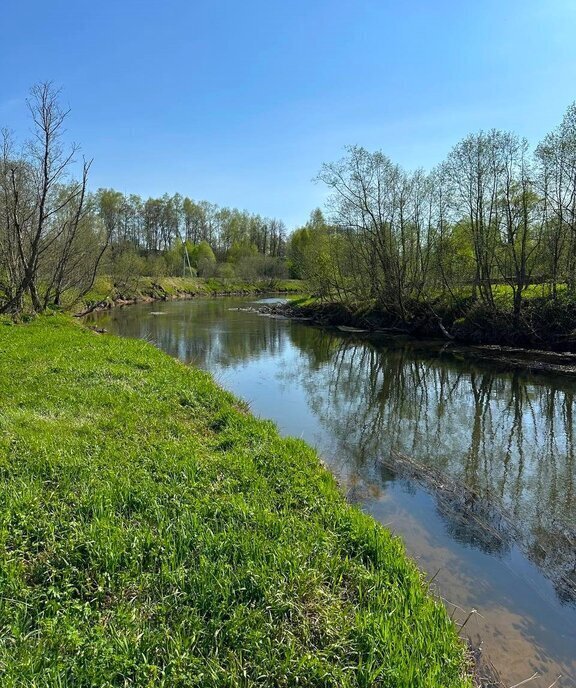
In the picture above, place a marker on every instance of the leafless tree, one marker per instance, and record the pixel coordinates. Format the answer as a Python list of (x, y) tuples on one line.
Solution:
[(557, 157), (43, 210)]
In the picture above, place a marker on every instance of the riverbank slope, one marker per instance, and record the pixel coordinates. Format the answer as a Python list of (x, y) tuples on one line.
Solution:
[(156, 533), (107, 293)]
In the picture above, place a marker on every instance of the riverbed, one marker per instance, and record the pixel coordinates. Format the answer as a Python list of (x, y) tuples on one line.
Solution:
[(474, 467)]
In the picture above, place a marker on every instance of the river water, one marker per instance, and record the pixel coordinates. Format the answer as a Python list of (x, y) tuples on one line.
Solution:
[(474, 467)]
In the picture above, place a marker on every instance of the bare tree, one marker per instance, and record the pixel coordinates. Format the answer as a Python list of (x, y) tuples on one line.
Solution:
[(43, 207), (475, 168), (384, 213), (557, 157), (521, 218)]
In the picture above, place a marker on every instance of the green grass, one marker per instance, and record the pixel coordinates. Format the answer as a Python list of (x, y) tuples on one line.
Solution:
[(154, 533), (303, 300)]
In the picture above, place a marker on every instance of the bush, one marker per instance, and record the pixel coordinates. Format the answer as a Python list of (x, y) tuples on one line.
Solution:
[(127, 268), (155, 266), (261, 267), (226, 270), (203, 259)]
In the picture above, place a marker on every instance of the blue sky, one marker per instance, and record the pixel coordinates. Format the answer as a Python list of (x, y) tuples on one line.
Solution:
[(239, 103)]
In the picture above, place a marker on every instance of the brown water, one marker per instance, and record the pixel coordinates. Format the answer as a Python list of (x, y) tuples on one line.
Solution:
[(494, 517)]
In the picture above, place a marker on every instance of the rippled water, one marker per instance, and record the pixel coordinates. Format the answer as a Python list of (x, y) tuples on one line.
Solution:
[(473, 467)]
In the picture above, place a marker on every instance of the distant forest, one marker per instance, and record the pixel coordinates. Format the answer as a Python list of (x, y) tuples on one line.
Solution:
[(174, 235)]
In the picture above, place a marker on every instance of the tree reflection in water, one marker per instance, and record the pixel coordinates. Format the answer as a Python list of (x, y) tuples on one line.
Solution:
[(495, 449)]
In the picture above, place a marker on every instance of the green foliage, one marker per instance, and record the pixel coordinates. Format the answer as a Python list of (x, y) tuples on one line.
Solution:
[(456, 253), (303, 242), (155, 266), (156, 534), (257, 267), (226, 270), (319, 255), (127, 268), (241, 250), (203, 259)]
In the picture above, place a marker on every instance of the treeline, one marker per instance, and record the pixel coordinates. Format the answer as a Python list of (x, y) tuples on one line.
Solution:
[(175, 235), (491, 221), (491, 229), (56, 236), (156, 224)]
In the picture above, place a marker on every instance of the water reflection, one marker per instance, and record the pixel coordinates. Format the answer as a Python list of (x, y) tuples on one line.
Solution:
[(207, 332), (505, 441), (473, 466)]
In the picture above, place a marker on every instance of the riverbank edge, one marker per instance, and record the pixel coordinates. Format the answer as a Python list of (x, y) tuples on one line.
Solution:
[(107, 295), (367, 324), (545, 323), (68, 389)]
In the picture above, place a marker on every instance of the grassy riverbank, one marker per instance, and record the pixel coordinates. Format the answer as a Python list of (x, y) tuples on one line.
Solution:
[(107, 291), (154, 533)]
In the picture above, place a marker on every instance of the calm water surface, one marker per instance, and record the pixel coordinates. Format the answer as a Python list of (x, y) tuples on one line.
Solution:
[(495, 519)]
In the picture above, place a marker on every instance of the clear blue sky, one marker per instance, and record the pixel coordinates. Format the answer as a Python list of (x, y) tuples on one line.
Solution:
[(240, 102)]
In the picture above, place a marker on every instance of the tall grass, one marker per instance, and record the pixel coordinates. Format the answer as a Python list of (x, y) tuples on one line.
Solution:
[(154, 533)]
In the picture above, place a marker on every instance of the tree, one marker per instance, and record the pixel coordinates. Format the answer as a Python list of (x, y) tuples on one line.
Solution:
[(240, 250), (556, 155), (44, 211), (111, 206), (475, 167), (194, 220), (203, 259), (521, 226), (302, 242), (381, 211)]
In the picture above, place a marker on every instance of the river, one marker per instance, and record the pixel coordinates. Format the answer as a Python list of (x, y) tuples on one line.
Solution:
[(474, 467)]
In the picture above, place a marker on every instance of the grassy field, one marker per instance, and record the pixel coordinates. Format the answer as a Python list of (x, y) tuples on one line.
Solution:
[(154, 533)]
